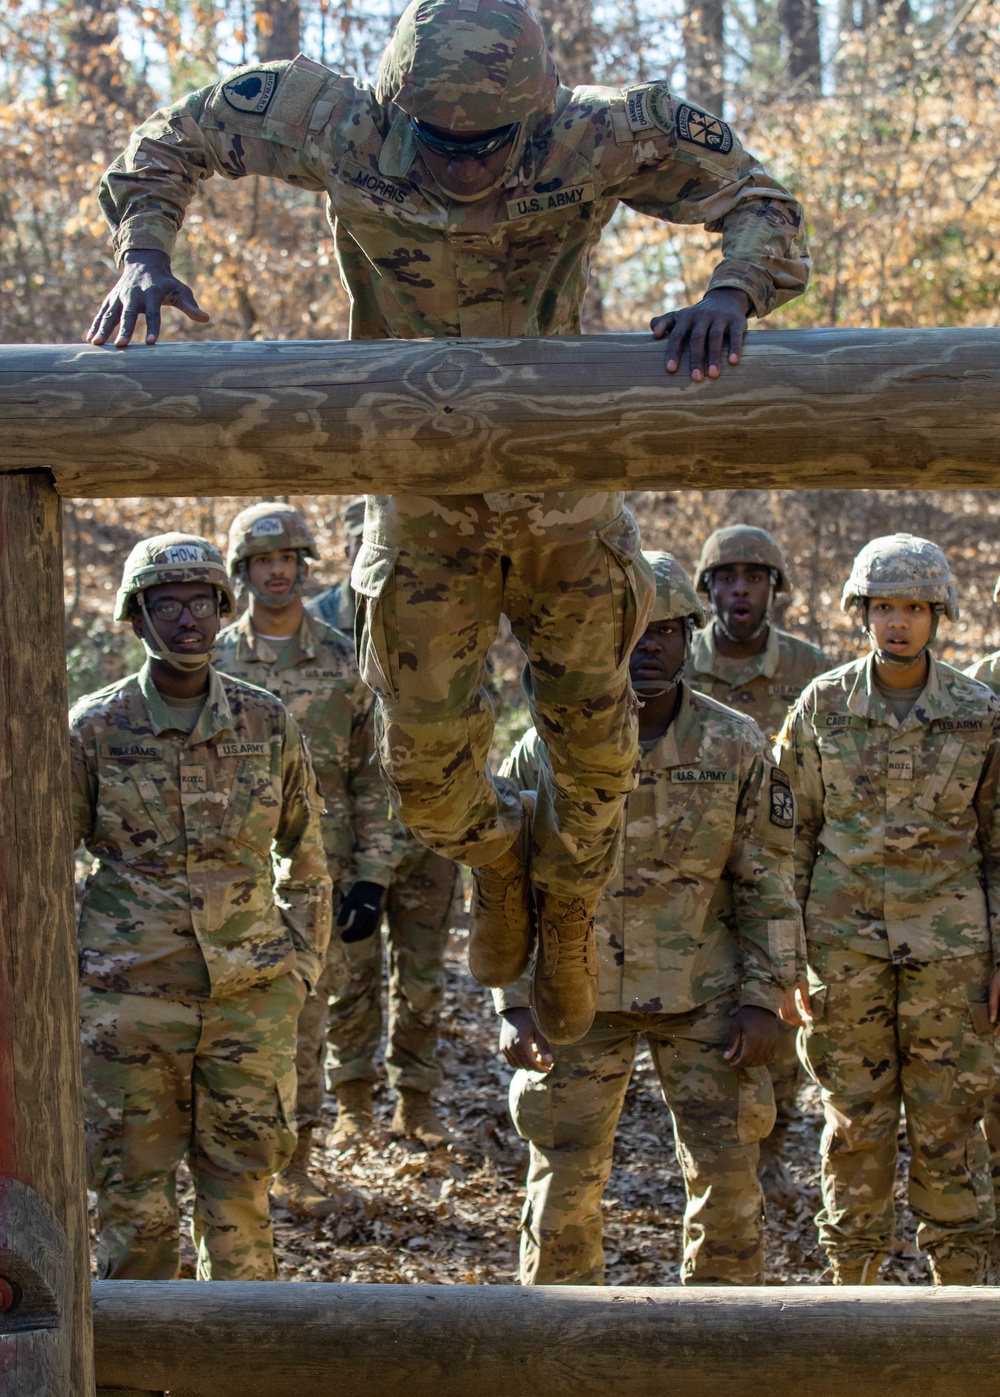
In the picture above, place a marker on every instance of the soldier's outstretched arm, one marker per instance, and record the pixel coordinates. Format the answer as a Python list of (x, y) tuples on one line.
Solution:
[(673, 160), (277, 119)]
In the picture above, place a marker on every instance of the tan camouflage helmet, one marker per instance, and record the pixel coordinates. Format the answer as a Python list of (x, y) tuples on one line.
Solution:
[(353, 516), (740, 543), (268, 527), (173, 557), (468, 65), (903, 566), (675, 596)]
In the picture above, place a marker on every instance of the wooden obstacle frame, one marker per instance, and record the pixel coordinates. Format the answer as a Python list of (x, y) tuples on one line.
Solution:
[(805, 409)]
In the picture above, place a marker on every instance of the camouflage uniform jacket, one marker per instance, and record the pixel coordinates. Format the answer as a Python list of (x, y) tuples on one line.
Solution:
[(765, 686), (316, 677), (703, 900), (210, 878), (987, 671), (898, 842), (417, 263), (336, 606)]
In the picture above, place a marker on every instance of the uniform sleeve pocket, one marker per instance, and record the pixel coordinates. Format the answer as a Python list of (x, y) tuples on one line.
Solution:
[(375, 634), (783, 945)]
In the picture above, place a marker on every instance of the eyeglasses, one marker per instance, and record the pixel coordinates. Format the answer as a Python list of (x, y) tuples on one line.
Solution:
[(167, 609), (477, 149)]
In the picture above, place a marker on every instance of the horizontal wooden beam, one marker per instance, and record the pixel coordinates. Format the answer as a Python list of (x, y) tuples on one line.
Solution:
[(271, 1339), (806, 408)]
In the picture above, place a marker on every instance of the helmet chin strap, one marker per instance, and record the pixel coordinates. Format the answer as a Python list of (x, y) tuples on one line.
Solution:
[(243, 584), (657, 688), (758, 630), (186, 664), (889, 657)]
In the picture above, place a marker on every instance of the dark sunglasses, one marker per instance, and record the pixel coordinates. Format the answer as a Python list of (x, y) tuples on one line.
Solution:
[(473, 150)]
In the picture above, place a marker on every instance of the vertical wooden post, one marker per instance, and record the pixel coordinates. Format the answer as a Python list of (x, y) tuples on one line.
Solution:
[(45, 1325)]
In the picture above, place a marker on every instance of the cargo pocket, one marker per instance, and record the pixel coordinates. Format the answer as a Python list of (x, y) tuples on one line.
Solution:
[(757, 1111), (631, 582), (104, 1130), (974, 1065), (376, 635), (531, 1108)]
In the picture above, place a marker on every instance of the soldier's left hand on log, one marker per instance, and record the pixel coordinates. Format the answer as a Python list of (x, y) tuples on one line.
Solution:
[(146, 285), (360, 911), (719, 317), (753, 1037)]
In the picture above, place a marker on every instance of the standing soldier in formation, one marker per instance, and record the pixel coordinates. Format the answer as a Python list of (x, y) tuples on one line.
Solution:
[(987, 671), (467, 189), (312, 669), (895, 760), (743, 660), (204, 925), (698, 936), (417, 907)]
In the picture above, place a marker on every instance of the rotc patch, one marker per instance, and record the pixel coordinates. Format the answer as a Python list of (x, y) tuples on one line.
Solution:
[(782, 813), (131, 751), (702, 776), (550, 201), (243, 749), (900, 766), (370, 182), (251, 92), (193, 780), (701, 129), (265, 528)]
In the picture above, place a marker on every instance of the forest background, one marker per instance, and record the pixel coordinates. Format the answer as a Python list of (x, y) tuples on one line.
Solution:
[(881, 114)]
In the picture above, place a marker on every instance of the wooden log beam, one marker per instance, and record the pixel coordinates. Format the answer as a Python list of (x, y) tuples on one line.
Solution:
[(807, 408), (45, 1341), (273, 1339)]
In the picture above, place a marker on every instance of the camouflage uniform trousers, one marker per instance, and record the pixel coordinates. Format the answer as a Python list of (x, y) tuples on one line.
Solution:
[(433, 577), (887, 1036), (212, 1082), (570, 1115), (346, 1010), (786, 1076)]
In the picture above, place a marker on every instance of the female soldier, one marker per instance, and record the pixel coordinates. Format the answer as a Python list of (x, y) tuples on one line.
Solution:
[(895, 763)]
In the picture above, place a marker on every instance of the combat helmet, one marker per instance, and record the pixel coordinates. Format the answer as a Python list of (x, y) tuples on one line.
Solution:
[(172, 557), (675, 596), (904, 566), (265, 528), (469, 65), (907, 567), (740, 543)]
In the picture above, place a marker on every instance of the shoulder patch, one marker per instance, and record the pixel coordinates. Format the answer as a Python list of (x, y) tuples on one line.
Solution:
[(703, 129), (648, 108), (782, 810), (251, 92)]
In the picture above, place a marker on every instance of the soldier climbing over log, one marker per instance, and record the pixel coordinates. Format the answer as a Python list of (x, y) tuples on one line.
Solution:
[(466, 189)]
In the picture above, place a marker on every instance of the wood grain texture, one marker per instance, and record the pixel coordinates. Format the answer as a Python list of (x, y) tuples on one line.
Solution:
[(41, 1113), (554, 1341), (830, 408)]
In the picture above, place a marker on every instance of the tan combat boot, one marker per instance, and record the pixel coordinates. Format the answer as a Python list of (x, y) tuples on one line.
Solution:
[(863, 1272), (500, 921), (962, 1266), (564, 976), (294, 1189), (355, 1117), (416, 1119)]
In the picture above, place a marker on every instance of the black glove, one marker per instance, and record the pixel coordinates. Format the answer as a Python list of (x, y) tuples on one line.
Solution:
[(360, 911)]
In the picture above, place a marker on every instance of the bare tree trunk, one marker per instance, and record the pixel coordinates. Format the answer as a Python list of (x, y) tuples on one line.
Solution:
[(800, 21), (93, 51), (277, 24), (703, 52), (569, 27)]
